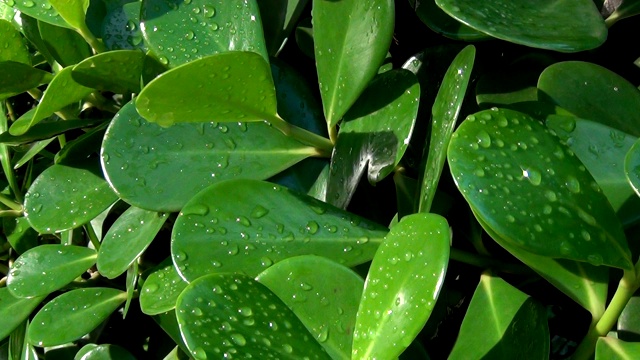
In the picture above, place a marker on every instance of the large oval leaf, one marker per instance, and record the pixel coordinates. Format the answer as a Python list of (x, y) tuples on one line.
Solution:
[(14, 310), (103, 352), (229, 315), (46, 268), (13, 45), (66, 46), (532, 191), (160, 169), (351, 40), (402, 286), (233, 86), (240, 226), (323, 294), (41, 10), (161, 290)]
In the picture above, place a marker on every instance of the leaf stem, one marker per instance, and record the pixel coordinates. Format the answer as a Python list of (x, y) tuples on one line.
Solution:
[(5, 159), (92, 236), (97, 46), (323, 145)]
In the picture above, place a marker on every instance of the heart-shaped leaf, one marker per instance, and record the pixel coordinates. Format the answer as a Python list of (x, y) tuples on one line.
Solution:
[(12, 44), (121, 27), (592, 92), (127, 238), (66, 197), (612, 348), (116, 71), (47, 268), (224, 315), (502, 323), (41, 10), (161, 290), (442, 23), (238, 226), (402, 286), (565, 25), (444, 115), (14, 310), (351, 40), (632, 166), (66, 46), (18, 77), (279, 18), (323, 294), (375, 133), (73, 314), (160, 169), (236, 86), (532, 191), (72, 11)]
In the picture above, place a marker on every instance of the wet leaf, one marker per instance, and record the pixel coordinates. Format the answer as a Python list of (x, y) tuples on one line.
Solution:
[(532, 191), (116, 71), (375, 134), (19, 233), (566, 26), (237, 87), (6, 12), (66, 46), (18, 77), (323, 294), (121, 27), (402, 286), (592, 92), (632, 166), (47, 268), (41, 10), (14, 310), (72, 11), (502, 323), (12, 44), (611, 348), (65, 197), (238, 226), (229, 322), (279, 18), (442, 23), (103, 352), (127, 239), (160, 169), (73, 314), (161, 290), (47, 130), (180, 31), (351, 40)]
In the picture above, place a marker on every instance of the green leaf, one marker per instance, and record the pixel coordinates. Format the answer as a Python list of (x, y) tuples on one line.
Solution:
[(117, 71), (66, 46), (375, 134), (532, 191), (608, 348), (402, 286), (86, 145), (592, 92), (18, 77), (502, 323), (6, 12), (623, 10), (324, 295), (279, 17), (12, 44), (47, 268), (72, 11), (41, 10), (180, 32), (236, 86), (33, 150), (65, 197), (239, 226), (440, 22), (444, 115), (160, 169), (127, 239), (628, 328), (62, 91), (103, 352), (161, 289), (19, 233), (351, 39), (73, 314), (47, 130), (560, 25), (240, 326), (14, 310), (632, 166), (304, 37), (131, 281), (121, 27), (169, 323)]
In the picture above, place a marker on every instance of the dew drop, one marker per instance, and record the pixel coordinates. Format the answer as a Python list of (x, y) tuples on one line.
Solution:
[(151, 288), (595, 259), (259, 211), (312, 227), (238, 339), (573, 184), (534, 176), (550, 195), (484, 140), (265, 261), (209, 11)]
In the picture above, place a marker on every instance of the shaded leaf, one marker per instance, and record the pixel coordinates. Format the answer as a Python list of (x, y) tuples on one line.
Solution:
[(12, 44), (19, 233), (72, 11), (442, 23), (120, 28), (632, 166), (47, 130), (14, 310), (116, 71), (623, 10), (66, 46), (18, 77), (628, 328), (279, 18), (103, 352)]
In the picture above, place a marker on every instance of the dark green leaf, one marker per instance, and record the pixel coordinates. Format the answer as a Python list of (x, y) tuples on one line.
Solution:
[(14, 310), (103, 352), (169, 323), (12, 44), (121, 27), (33, 150), (75, 152), (131, 283), (632, 167), (18, 77), (279, 18), (31, 31), (608, 348), (65, 45), (19, 233), (439, 21), (624, 9), (47, 130), (41, 10), (628, 328), (239, 226), (304, 37), (116, 71), (161, 289)]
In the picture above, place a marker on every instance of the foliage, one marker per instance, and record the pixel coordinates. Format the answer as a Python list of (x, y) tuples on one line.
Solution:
[(225, 179)]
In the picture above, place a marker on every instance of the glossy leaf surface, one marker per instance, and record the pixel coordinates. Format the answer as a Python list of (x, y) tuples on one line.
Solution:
[(13, 46), (116, 71), (374, 134), (632, 167), (628, 328), (238, 226), (66, 46), (160, 169), (505, 162), (351, 40), (566, 25), (237, 87), (219, 317), (127, 239), (73, 314), (592, 92), (442, 23), (161, 290), (180, 31), (14, 310), (18, 78), (323, 294), (402, 286), (62, 91), (444, 115), (41, 10), (611, 348), (47, 268), (65, 197), (121, 27), (502, 323), (72, 11), (103, 352)]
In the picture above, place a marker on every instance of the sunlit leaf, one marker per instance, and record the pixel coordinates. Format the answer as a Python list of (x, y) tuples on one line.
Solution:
[(161, 290), (117, 71), (608, 348)]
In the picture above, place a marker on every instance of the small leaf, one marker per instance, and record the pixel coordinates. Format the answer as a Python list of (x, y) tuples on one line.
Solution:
[(608, 348), (567, 25), (502, 323), (238, 226), (66, 46), (41, 10), (351, 40), (104, 352), (116, 71), (73, 314), (279, 18), (264, 329), (402, 286), (121, 27), (532, 191), (127, 239), (442, 23), (161, 290), (47, 130), (12, 44), (232, 86), (47, 268), (18, 77), (314, 283), (14, 310), (72, 11)]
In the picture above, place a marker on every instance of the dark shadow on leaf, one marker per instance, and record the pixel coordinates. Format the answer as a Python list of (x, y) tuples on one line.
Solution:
[(383, 90)]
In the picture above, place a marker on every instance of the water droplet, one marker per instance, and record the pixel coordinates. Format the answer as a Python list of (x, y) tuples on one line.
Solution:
[(312, 227), (573, 184), (287, 348), (265, 261), (484, 139), (323, 335), (197, 209), (151, 288), (199, 353), (511, 219), (29, 4), (238, 339), (189, 35), (209, 11), (550, 195), (259, 211), (532, 175), (245, 311), (243, 220), (586, 217), (595, 259), (214, 26), (197, 311), (163, 60)]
